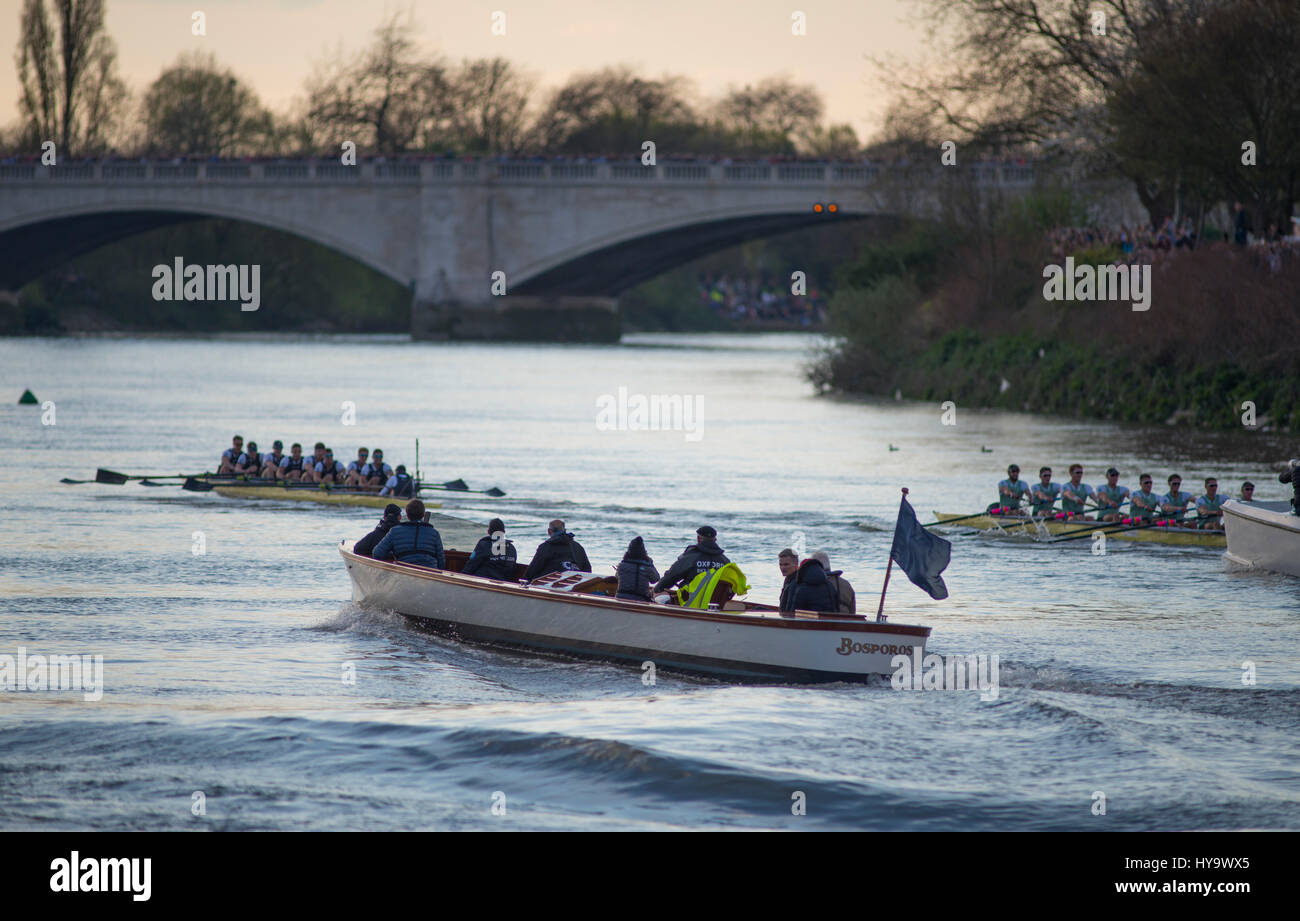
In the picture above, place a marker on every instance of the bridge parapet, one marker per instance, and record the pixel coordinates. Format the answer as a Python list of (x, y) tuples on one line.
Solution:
[(291, 172)]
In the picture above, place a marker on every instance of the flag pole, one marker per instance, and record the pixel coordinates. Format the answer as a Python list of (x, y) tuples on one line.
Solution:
[(880, 611)]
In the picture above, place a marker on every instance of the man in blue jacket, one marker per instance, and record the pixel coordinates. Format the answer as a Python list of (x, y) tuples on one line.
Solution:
[(414, 541)]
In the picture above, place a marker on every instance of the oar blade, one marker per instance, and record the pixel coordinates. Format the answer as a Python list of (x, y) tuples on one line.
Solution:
[(110, 476), (193, 485), (494, 492), (459, 485)]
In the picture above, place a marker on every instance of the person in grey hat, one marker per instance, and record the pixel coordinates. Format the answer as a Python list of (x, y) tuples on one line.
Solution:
[(702, 556), (494, 557), (840, 587), (367, 544)]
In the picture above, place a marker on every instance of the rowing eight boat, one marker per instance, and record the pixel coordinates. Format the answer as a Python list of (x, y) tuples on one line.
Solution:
[(300, 494), (1009, 524)]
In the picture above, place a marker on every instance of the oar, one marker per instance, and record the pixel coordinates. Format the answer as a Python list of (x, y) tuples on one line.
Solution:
[(460, 486), (117, 479), (1074, 535)]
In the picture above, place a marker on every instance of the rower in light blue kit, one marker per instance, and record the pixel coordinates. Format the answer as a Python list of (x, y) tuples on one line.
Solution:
[(1209, 507), (1011, 491), (1174, 503), (1075, 492), (1045, 494), (1144, 503), (1111, 497)]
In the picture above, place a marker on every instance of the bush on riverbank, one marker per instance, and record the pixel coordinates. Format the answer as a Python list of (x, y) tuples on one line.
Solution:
[(1219, 331)]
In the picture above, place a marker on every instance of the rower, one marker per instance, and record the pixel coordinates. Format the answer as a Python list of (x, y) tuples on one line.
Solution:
[(1247, 491), (329, 470), (294, 467), (1209, 507), (414, 541), (317, 460), (230, 456), (1010, 491), (1044, 495), (355, 476), (1144, 503), (250, 462), (1175, 501), (1110, 497), (377, 473), (399, 484), (1075, 493), (271, 462)]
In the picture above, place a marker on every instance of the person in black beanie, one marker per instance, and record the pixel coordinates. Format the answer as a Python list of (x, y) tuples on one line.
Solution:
[(494, 557), (702, 556), (636, 573), (366, 546)]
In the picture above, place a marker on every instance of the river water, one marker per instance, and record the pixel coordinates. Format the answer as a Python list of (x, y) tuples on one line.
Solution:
[(1121, 674)]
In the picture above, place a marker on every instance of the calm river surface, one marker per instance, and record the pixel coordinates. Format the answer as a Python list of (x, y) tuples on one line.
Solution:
[(1120, 673)]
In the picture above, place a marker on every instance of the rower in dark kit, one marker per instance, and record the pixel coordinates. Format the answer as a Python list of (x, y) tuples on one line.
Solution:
[(558, 553), (494, 557), (294, 467), (356, 469), (250, 462), (400, 484), (702, 556), (230, 456), (377, 474), (413, 541), (271, 462)]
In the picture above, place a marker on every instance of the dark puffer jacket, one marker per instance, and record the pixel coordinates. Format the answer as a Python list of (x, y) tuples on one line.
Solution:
[(483, 562), (702, 556), (635, 578), (812, 591), (556, 554), (413, 542)]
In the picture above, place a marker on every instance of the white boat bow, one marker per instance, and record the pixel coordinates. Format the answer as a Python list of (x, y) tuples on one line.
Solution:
[(1263, 535)]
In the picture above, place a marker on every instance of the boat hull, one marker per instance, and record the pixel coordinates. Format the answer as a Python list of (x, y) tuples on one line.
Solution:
[(1185, 537), (323, 496), (740, 646), (1263, 536)]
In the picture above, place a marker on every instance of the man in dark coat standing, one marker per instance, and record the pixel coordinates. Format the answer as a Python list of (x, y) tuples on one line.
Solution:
[(559, 552), (702, 556)]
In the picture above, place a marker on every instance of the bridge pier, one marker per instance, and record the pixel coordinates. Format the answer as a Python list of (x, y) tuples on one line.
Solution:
[(519, 318)]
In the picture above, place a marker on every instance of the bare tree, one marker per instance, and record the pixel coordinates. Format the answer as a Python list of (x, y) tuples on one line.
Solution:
[(487, 106), (69, 90), (384, 97)]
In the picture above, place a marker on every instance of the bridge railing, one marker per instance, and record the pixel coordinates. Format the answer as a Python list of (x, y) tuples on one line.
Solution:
[(577, 172)]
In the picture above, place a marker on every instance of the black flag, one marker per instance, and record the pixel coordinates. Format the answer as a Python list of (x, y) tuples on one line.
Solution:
[(922, 555)]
